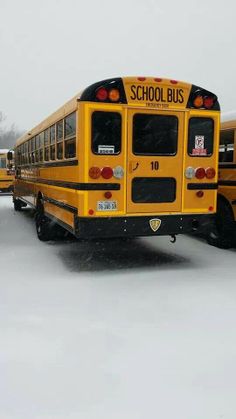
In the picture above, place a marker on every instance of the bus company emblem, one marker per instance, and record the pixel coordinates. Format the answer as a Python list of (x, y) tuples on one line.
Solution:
[(155, 224)]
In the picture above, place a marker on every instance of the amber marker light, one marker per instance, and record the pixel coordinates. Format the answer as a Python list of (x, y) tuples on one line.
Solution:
[(114, 95), (198, 101), (210, 173), (94, 172)]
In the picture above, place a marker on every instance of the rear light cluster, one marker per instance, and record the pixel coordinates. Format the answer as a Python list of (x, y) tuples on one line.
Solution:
[(106, 172), (200, 173), (206, 102), (103, 94)]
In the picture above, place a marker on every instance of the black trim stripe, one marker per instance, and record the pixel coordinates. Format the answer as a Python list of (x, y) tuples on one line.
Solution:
[(227, 182), (194, 186), (74, 185), (50, 164), (227, 165), (234, 202), (6, 180), (60, 204)]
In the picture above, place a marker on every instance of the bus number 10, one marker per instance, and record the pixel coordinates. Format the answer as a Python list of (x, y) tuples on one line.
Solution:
[(154, 165)]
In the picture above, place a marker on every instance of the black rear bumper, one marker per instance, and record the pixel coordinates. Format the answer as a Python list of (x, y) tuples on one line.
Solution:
[(141, 226)]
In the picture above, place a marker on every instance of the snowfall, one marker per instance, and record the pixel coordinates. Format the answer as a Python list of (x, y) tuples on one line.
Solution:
[(139, 329)]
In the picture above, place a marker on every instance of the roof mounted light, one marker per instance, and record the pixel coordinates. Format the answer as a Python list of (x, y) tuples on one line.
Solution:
[(114, 95), (198, 101), (101, 94), (208, 102)]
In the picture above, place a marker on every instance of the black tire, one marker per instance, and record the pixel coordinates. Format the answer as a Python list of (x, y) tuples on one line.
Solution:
[(222, 233), (17, 205), (44, 226)]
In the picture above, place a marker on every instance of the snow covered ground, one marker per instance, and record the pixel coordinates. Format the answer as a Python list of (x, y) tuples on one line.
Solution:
[(114, 330)]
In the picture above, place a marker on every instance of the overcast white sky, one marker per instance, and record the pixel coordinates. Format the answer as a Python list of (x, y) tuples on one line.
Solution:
[(52, 49)]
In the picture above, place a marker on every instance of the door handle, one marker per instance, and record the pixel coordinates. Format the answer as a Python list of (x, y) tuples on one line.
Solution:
[(133, 165)]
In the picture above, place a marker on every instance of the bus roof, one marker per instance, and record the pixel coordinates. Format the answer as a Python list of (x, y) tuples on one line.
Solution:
[(228, 120), (4, 150), (64, 110)]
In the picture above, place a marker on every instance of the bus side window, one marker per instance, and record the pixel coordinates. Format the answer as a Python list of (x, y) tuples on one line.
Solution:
[(226, 152), (46, 145), (33, 149), (69, 135), (52, 143), (59, 138), (37, 148)]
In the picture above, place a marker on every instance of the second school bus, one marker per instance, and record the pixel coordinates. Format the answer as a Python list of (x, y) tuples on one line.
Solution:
[(131, 156), (223, 233), (6, 171)]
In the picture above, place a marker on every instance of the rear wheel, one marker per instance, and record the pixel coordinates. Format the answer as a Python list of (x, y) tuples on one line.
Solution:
[(44, 226), (223, 230), (18, 204)]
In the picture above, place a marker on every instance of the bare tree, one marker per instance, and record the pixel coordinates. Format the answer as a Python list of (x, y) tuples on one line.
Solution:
[(8, 135)]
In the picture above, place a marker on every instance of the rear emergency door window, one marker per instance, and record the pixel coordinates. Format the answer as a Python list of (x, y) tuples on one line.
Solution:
[(155, 134)]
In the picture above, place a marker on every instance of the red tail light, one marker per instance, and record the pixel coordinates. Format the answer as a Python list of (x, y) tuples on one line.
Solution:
[(210, 173), (200, 173), (108, 194), (102, 94), (94, 172), (200, 194), (107, 172), (208, 102)]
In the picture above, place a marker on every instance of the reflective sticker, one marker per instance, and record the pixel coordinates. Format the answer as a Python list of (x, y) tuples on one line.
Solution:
[(199, 141), (106, 149), (155, 224), (199, 149)]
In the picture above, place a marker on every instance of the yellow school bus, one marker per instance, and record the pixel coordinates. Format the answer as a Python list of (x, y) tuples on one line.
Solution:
[(131, 156), (6, 171), (223, 233)]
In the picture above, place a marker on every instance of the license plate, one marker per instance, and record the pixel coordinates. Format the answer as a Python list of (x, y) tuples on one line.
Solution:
[(106, 205)]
